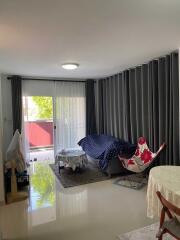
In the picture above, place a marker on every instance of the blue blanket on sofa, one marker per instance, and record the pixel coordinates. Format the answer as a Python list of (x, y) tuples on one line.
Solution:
[(104, 148)]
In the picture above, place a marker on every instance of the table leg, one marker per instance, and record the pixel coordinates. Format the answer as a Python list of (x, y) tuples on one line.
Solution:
[(59, 166)]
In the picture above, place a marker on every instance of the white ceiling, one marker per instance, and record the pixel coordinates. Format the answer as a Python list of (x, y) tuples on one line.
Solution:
[(103, 36)]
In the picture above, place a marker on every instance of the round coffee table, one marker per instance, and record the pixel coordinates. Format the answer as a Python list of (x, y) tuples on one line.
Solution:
[(73, 159)]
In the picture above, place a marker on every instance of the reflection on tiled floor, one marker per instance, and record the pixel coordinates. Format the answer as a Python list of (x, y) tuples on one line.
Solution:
[(42, 207), (100, 210)]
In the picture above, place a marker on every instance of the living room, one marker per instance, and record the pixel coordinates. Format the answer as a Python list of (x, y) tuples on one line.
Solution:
[(107, 73)]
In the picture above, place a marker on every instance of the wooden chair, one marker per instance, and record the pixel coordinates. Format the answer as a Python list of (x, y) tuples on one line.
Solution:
[(172, 225)]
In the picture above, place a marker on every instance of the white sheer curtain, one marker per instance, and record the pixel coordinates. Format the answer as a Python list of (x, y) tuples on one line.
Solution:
[(25, 132), (69, 114), (69, 111)]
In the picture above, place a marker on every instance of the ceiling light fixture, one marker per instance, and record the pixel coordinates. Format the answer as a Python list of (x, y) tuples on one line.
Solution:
[(70, 66)]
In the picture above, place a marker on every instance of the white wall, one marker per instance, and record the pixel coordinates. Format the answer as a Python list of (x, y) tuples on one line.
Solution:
[(6, 112), (6, 127), (1, 149)]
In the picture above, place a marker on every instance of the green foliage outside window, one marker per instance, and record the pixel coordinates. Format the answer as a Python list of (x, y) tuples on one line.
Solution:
[(44, 106)]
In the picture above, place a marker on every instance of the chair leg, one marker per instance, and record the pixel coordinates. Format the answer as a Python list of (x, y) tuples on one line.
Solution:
[(159, 235), (161, 231), (162, 217), (169, 214)]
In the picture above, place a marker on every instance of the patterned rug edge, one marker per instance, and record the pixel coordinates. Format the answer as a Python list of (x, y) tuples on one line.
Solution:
[(90, 181), (144, 233)]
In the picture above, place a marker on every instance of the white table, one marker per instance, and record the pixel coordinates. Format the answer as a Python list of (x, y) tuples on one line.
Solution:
[(72, 158), (165, 179)]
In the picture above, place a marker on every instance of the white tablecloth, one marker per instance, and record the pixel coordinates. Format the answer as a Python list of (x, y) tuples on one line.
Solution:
[(165, 179), (72, 159)]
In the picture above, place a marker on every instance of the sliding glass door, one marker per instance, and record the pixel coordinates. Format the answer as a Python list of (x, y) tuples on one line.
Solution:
[(68, 114), (38, 120), (38, 128)]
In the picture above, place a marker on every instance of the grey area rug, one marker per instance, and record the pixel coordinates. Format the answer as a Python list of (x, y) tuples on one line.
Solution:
[(90, 174), (146, 233), (134, 181)]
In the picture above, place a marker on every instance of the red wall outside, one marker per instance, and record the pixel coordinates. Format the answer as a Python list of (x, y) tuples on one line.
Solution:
[(40, 133)]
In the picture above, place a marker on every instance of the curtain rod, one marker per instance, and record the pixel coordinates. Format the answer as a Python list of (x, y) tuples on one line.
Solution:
[(139, 65), (54, 80)]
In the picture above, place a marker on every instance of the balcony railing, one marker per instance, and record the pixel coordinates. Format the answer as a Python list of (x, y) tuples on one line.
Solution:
[(40, 133)]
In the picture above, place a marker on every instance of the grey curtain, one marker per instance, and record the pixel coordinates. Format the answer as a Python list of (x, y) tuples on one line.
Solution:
[(144, 101), (16, 88), (90, 107)]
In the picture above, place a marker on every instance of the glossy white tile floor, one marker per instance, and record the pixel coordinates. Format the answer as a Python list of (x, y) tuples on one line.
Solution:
[(94, 211)]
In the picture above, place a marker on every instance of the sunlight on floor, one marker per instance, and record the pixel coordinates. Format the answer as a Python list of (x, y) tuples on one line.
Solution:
[(42, 154)]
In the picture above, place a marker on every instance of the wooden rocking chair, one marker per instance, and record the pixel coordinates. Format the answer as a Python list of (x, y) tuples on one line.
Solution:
[(172, 225)]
